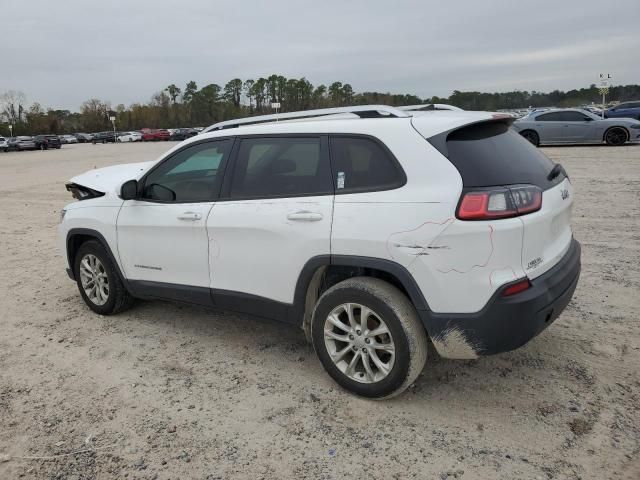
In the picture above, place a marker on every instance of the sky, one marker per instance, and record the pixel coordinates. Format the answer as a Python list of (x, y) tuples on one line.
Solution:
[(61, 53)]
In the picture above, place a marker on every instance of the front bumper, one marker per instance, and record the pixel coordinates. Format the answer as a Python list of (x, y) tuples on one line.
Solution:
[(507, 323)]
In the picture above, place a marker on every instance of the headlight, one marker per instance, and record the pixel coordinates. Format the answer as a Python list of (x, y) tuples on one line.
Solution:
[(62, 214)]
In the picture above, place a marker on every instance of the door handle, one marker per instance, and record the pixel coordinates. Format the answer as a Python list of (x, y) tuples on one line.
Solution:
[(193, 216), (304, 216)]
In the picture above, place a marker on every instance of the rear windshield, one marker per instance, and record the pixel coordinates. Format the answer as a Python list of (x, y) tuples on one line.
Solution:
[(491, 154)]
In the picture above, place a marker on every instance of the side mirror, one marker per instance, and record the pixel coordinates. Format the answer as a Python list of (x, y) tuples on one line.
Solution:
[(129, 190)]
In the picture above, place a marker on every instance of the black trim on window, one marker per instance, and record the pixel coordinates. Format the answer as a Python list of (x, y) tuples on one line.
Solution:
[(219, 176), (402, 176)]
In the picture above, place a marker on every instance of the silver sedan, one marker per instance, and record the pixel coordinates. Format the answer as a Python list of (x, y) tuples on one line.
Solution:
[(573, 125)]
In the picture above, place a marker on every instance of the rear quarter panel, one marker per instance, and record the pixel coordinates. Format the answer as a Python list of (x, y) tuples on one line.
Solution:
[(457, 265)]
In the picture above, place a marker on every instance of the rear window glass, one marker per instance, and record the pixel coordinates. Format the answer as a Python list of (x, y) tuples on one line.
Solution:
[(363, 164), (492, 154)]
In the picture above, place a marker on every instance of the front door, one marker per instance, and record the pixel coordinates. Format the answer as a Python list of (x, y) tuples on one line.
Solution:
[(578, 127), (273, 216), (162, 235)]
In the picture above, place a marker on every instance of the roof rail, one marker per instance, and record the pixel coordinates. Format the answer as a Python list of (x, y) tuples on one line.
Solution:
[(363, 111), (428, 106)]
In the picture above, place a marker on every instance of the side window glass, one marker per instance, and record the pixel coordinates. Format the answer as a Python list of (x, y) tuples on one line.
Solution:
[(363, 164), (191, 175), (549, 117), (573, 117), (280, 167)]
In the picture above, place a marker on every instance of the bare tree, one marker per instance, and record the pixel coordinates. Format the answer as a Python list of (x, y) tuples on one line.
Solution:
[(13, 106)]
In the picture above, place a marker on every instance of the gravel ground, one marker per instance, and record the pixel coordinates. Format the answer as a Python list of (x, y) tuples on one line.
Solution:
[(174, 391)]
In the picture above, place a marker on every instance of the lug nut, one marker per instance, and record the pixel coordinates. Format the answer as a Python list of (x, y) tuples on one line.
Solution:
[(364, 349), (366, 340), (350, 337), (358, 332), (355, 349)]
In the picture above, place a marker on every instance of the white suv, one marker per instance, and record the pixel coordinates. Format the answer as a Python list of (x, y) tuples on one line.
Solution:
[(373, 228)]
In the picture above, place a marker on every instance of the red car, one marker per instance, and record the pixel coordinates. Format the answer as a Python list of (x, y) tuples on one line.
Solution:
[(149, 135)]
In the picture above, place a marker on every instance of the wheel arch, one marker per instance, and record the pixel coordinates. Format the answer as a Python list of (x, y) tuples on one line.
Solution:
[(626, 130), (77, 236), (529, 129), (322, 272)]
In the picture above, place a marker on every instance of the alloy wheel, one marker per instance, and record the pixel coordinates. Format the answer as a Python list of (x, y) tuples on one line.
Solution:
[(94, 280), (359, 343), (616, 136)]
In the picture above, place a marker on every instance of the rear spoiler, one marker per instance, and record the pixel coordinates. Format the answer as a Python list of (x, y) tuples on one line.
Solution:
[(439, 141)]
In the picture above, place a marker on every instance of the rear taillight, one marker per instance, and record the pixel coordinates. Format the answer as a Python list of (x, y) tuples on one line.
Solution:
[(499, 202), (517, 287)]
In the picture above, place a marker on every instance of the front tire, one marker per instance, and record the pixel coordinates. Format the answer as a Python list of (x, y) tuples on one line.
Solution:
[(368, 337), (532, 137), (98, 281), (616, 136)]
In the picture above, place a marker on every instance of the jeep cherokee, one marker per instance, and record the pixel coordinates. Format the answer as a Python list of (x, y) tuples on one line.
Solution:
[(374, 229)]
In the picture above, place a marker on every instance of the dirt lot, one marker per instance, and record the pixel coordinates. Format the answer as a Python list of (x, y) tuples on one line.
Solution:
[(174, 391)]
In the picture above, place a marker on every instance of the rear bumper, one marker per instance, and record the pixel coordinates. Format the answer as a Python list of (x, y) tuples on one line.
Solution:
[(507, 323)]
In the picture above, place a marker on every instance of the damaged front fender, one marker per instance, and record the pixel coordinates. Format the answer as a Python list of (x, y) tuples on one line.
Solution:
[(80, 192)]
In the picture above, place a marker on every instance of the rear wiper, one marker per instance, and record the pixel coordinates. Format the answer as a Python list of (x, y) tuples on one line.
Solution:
[(555, 171)]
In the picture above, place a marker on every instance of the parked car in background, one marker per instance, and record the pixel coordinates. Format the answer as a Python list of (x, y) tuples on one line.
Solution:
[(21, 143), (130, 137), (595, 110), (44, 142), (67, 139), (149, 135), (624, 110), (4, 144), (103, 137), (573, 125), (83, 137), (180, 134)]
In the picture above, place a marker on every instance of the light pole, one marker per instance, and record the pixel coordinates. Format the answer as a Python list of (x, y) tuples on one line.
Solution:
[(10, 130)]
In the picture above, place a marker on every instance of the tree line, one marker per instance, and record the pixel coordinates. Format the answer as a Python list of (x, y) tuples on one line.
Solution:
[(192, 105)]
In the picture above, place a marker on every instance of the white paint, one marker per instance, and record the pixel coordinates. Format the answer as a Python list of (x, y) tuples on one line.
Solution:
[(261, 251), (109, 179)]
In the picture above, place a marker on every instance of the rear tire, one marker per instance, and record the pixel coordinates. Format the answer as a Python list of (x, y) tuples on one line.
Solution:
[(98, 281), (394, 356), (616, 136), (532, 137)]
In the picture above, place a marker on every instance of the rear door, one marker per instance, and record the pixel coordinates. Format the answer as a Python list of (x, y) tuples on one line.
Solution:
[(274, 215), (549, 127), (547, 232)]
